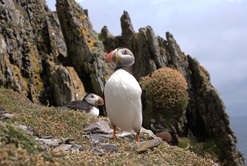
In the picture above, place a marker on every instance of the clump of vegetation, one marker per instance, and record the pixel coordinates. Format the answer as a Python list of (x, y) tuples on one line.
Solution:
[(166, 88)]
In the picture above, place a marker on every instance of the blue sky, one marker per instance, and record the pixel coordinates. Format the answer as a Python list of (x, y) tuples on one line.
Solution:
[(212, 31)]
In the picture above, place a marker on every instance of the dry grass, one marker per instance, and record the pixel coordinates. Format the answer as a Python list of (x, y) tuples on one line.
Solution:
[(19, 148)]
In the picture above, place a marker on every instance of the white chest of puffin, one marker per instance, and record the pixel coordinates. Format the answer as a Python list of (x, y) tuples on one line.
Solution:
[(123, 94)]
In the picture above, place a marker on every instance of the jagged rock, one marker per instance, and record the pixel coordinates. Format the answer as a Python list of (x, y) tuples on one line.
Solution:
[(22, 33), (110, 42), (32, 45), (83, 49), (127, 28), (205, 116), (66, 85), (57, 43)]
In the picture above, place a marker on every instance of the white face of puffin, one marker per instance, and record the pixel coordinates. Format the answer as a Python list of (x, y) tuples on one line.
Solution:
[(94, 99), (121, 56)]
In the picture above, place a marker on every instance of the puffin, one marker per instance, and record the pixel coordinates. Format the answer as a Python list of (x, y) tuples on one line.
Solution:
[(122, 94), (88, 104)]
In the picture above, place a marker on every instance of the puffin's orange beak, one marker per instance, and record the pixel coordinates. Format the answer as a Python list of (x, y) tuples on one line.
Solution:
[(108, 57), (100, 101)]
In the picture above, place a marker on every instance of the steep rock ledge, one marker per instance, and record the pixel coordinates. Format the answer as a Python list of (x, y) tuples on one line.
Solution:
[(84, 49), (32, 47), (205, 117)]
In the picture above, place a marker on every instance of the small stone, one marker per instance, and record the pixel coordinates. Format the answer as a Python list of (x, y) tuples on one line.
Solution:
[(148, 132), (63, 147), (46, 137), (51, 142), (100, 126), (2, 108), (97, 151), (6, 116), (125, 134), (76, 147), (108, 147), (27, 129), (68, 140), (165, 136), (145, 145)]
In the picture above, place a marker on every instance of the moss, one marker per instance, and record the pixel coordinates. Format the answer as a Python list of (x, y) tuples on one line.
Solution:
[(83, 32), (184, 142), (202, 148), (10, 134), (211, 146), (90, 42)]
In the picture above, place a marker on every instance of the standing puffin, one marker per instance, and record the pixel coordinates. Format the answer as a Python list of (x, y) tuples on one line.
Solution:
[(87, 104), (123, 94)]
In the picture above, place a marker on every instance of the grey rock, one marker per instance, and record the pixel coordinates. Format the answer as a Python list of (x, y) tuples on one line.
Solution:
[(68, 140), (108, 147), (66, 84), (2, 108), (47, 137), (100, 126), (63, 147), (145, 145), (51, 142), (27, 129), (98, 151), (94, 137), (76, 147)]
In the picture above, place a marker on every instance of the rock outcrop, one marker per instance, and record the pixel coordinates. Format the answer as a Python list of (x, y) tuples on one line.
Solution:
[(205, 117), (55, 57)]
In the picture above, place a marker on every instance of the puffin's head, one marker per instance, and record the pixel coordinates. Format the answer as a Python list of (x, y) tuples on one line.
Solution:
[(94, 99), (121, 56)]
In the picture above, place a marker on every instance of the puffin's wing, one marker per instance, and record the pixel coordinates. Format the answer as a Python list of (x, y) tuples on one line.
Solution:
[(144, 99), (103, 112), (78, 105)]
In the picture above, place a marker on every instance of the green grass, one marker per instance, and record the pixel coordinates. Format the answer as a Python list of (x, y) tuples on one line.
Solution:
[(19, 148)]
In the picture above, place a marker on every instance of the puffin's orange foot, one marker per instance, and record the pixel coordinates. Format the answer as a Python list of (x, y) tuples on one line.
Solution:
[(114, 137), (138, 139)]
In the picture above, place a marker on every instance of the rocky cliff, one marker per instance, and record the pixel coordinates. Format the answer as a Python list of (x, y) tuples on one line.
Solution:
[(55, 57)]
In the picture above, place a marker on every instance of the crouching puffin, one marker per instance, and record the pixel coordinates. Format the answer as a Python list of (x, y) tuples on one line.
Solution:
[(88, 104), (123, 94)]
